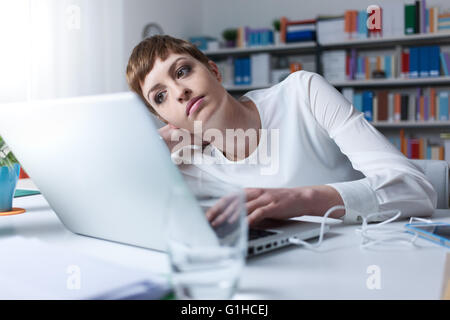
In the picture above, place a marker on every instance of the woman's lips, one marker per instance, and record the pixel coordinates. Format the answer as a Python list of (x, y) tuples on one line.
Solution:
[(195, 106)]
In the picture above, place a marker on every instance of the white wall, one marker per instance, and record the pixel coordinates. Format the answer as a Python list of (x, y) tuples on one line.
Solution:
[(111, 29), (43, 58), (179, 18), (219, 15)]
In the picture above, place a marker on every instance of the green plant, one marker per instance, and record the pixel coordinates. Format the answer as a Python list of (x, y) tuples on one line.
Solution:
[(7, 158), (229, 34), (276, 24)]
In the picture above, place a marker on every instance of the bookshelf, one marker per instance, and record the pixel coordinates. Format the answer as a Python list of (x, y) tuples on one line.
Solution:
[(413, 39), (398, 82), (411, 124), (308, 46), (429, 129), (428, 132)]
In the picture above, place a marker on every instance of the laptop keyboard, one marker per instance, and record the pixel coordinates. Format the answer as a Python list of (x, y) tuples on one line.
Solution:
[(258, 233)]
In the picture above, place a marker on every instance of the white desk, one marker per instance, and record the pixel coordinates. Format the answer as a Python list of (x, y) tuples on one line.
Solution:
[(337, 270)]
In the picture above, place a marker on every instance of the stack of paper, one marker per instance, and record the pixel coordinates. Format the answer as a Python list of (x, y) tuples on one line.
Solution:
[(32, 269)]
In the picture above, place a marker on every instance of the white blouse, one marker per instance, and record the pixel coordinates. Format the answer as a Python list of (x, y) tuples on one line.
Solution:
[(311, 135)]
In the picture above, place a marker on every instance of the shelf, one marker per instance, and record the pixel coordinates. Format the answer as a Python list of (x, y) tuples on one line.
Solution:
[(363, 83), (412, 124), (245, 87), (413, 39), (292, 47), (392, 82)]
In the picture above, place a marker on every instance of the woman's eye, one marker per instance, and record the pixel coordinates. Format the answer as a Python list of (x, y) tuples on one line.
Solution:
[(180, 71), (159, 97)]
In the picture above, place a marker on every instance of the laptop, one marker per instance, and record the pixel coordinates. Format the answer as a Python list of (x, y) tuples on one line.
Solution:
[(103, 168)]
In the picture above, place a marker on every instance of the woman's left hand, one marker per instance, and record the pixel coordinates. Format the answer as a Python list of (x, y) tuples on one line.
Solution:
[(279, 203)]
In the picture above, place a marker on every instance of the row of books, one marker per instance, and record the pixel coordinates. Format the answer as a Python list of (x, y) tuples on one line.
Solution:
[(297, 31), (261, 69), (252, 70), (413, 62), (368, 67), (420, 19), (355, 24), (397, 19), (248, 37), (290, 31), (421, 62), (338, 65), (418, 148), (423, 105)]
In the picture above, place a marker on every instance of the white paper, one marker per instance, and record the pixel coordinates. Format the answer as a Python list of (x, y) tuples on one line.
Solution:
[(33, 269)]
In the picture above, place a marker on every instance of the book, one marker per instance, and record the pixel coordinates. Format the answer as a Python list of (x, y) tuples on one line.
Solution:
[(443, 106), (358, 101), (382, 105), (414, 62), (410, 19), (367, 106), (434, 61), (423, 67), (423, 16), (238, 79), (285, 23), (444, 56), (350, 18), (307, 35), (427, 104), (405, 63), (397, 107), (418, 17), (404, 107), (246, 71)]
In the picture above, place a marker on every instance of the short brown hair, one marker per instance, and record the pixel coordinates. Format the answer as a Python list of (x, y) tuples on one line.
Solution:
[(148, 50)]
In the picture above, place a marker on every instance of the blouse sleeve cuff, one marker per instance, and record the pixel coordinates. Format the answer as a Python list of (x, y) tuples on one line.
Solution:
[(359, 199)]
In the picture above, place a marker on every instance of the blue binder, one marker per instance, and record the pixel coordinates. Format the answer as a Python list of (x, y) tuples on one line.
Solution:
[(368, 105), (237, 71), (434, 61), (414, 62), (424, 62), (443, 106), (358, 101)]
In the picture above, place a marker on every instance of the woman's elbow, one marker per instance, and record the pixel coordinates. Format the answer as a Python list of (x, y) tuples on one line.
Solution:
[(426, 200)]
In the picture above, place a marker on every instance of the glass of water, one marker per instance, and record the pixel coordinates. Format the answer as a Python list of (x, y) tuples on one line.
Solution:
[(207, 241)]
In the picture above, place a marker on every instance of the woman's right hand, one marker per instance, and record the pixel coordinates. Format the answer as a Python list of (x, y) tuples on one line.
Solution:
[(177, 138)]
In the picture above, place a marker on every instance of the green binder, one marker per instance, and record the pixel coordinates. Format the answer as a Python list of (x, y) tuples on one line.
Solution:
[(410, 18)]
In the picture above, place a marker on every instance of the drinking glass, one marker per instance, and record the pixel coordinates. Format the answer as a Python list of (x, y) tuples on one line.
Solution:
[(207, 241)]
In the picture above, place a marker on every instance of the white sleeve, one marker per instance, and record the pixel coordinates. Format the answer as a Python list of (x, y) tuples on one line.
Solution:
[(391, 180)]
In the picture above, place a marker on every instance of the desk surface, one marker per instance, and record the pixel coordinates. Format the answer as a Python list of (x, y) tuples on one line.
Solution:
[(337, 270)]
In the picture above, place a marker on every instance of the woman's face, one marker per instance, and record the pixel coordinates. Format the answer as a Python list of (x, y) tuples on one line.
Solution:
[(173, 86)]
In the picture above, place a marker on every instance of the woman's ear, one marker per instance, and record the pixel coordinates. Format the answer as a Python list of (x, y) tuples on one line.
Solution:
[(215, 70)]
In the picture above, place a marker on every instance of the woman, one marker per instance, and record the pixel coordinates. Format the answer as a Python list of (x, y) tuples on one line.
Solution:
[(318, 150)]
